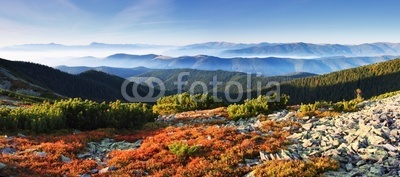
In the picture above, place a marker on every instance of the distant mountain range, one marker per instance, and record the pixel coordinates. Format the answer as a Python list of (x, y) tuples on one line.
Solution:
[(226, 49), (270, 66), (121, 72), (318, 50), (268, 59)]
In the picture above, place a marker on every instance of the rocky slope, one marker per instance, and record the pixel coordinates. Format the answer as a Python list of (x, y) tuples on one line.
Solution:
[(366, 143)]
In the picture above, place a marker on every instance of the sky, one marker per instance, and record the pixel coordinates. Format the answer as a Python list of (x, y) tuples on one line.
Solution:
[(181, 22)]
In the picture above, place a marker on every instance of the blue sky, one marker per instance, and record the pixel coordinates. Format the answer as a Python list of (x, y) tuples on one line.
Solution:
[(180, 22)]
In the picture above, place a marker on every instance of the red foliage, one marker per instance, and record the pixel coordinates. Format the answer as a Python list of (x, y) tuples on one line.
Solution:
[(220, 151)]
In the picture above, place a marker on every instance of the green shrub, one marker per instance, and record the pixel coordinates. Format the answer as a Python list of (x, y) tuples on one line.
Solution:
[(316, 106), (347, 106), (385, 95), (75, 114), (129, 115), (183, 149), (256, 106), (184, 102)]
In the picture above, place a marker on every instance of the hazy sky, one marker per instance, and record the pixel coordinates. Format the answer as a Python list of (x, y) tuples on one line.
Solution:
[(180, 22)]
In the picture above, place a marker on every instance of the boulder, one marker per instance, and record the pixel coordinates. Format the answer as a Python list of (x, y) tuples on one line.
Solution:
[(2, 166)]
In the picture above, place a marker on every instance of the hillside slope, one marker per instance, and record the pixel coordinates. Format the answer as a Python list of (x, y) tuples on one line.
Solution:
[(372, 79), (320, 50), (98, 87)]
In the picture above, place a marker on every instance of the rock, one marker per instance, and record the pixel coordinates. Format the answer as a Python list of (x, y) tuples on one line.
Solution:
[(180, 124), (334, 142), (286, 128), (41, 154), (263, 156), (21, 135), (76, 132), (393, 161), (94, 171), (394, 133), (307, 143), (251, 162), (349, 166), (355, 145), (307, 126), (375, 140), (107, 169), (84, 155), (8, 150), (392, 154), (390, 147), (377, 170), (295, 136), (85, 175), (250, 174), (65, 159), (360, 163), (2, 166)]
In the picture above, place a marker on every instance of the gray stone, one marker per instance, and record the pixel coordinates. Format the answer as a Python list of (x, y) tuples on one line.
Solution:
[(355, 145), (360, 163), (107, 169), (349, 167), (41, 154), (65, 159), (295, 136), (307, 143), (251, 162), (307, 126), (286, 128), (393, 161), (21, 135), (84, 155), (393, 154), (94, 171), (250, 174), (377, 170), (375, 140), (335, 142), (8, 150), (2, 166), (76, 132), (390, 147), (394, 133)]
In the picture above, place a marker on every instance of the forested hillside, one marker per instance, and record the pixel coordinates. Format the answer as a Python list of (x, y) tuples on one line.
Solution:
[(372, 79), (95, 86)]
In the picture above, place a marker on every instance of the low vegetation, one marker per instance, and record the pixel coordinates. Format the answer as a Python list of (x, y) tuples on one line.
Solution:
[(254, 107), (297, 168), (385, 95), (74, 114), (324, 108), (184, 102)]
